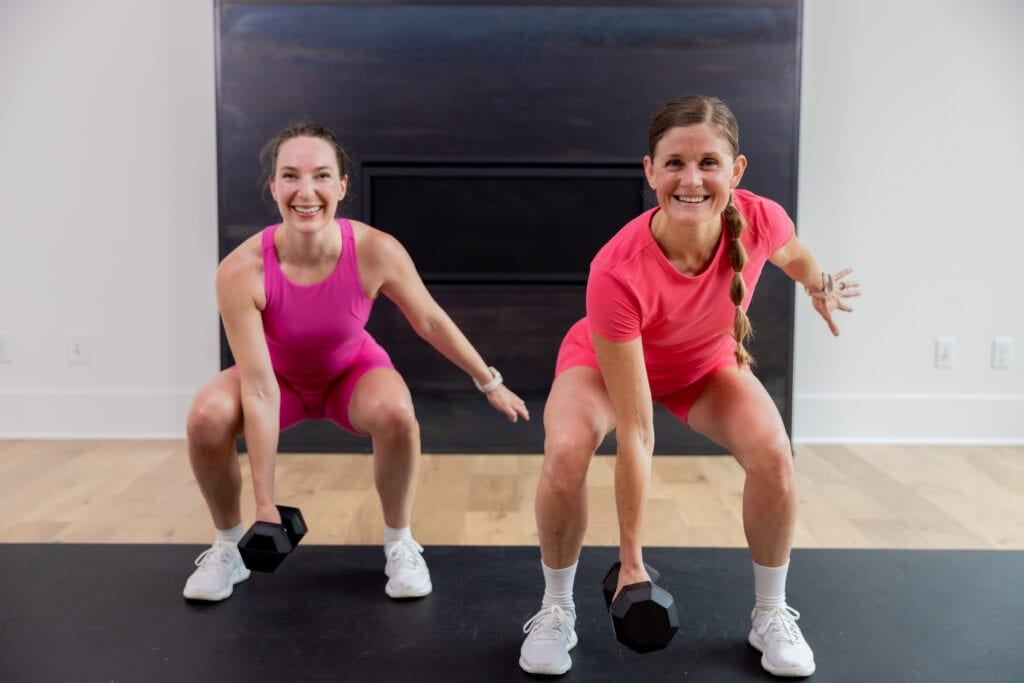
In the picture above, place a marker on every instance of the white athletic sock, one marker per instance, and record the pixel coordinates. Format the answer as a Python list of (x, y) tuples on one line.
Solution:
[(558, 587), (232, 535), (392, 535), (770, 585)]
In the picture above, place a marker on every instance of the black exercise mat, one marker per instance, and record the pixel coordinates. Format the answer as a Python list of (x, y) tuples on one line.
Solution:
[(115, 613)]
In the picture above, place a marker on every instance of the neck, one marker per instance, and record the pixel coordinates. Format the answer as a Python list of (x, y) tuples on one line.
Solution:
[(688, 247), (308, 246)]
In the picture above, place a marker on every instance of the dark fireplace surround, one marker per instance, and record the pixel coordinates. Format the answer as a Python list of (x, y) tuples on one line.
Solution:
[(502, 144)]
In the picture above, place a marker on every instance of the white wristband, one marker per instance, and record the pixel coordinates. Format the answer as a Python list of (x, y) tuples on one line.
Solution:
[(496, 381)]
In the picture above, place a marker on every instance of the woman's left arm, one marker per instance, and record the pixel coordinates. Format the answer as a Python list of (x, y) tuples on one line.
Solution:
[(827, 291), (401, 283)]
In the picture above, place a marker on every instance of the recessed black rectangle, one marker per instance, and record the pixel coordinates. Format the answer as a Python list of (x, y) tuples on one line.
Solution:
[(502, 223)]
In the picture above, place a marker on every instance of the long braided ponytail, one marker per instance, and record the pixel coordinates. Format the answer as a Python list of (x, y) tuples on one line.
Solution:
[(734, 223), (692, 110)]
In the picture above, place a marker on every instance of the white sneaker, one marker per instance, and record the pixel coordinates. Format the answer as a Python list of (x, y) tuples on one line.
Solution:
[(550, 635), (408, 576), (776, 635), (220, 568)]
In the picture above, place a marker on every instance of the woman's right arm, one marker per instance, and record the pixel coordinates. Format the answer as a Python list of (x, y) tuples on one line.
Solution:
[(625, 377), (239, 282)]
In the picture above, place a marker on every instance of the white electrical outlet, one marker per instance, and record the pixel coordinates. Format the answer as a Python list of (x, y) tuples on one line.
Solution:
[(1002, 353), (6, 347), (78, 350), (945, 352)]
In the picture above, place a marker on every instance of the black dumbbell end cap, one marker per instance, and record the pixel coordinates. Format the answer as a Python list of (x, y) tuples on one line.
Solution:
[(645, 617), (294, 523), (264, 546)]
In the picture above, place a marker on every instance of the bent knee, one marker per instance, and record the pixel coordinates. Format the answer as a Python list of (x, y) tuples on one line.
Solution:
[(212, 419), (394, 419), (772, 467), (567, 457)]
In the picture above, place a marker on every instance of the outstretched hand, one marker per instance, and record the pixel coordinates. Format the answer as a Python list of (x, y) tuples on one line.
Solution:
[(506, 401), (827, 301)]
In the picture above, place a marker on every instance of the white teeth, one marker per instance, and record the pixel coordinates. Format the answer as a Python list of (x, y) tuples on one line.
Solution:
[(689, 200), (309, 211)]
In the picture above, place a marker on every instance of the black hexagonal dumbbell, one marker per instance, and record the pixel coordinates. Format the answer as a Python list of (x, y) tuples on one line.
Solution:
[(265, 545), (644, 615)]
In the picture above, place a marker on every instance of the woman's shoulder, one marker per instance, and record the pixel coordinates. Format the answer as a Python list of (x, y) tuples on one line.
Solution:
[(631, 239), (372, 242), (361, 231), (769, 225), (244, 260), (758, 207)]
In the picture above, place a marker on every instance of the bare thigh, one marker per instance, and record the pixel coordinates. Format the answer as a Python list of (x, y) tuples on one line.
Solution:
[(219, 403), (577, 416), (380, 400), (735, 411)]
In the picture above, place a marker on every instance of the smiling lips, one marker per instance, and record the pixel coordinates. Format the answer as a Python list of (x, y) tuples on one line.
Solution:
[(689, 200), (307, 210)]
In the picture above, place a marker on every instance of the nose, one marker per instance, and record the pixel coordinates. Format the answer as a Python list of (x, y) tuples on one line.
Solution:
[(690, 177), (306, 187)]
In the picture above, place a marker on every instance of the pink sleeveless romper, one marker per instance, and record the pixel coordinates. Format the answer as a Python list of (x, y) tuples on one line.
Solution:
[(319, 346)]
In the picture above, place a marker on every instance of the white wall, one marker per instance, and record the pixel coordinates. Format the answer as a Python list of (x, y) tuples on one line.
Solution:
[(108, 181), (912, 139), (911, 136)]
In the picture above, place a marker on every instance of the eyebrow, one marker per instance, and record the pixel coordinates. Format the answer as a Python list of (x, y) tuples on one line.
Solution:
[(318, 168), (702, 155)]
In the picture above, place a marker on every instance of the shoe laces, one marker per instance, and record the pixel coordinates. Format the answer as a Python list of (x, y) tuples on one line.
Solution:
[(780, 621), (216, 556), (551, 623), (405, 554)]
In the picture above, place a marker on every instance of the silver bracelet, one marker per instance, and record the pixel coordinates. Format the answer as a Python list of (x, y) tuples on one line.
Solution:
[(826, 285), (496, 381)]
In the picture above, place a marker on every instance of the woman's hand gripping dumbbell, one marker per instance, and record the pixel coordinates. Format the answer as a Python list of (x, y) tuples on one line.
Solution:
[(265, 545)]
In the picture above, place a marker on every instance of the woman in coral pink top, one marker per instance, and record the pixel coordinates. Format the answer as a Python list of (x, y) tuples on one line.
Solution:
[(666, 322), (295, 299)]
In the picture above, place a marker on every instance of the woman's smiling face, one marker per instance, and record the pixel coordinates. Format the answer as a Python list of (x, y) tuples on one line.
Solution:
[(307, 184), (693, 172)]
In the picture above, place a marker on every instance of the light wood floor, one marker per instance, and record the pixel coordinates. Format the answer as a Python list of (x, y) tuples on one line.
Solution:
[(850, 497)]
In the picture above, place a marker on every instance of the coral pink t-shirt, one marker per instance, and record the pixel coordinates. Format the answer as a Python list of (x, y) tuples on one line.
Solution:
[(685, 321)]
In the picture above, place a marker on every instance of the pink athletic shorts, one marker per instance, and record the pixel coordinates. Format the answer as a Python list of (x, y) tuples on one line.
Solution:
[(315, 398), (577, 350)]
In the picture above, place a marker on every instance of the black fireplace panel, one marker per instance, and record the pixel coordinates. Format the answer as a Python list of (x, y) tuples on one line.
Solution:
[(499, 82)]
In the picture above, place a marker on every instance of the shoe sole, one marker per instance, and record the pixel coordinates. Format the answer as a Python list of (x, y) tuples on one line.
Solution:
[(545, 672), (217, 597), (794, 672), (407, 594), (551, 671)]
